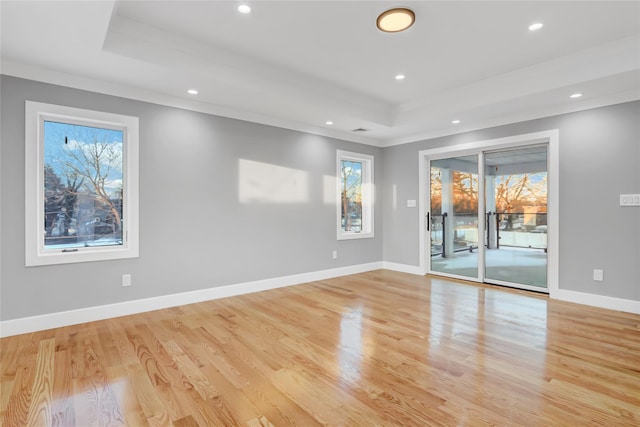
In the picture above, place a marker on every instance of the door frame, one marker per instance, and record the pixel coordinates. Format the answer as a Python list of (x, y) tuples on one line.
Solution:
[(550, 137)]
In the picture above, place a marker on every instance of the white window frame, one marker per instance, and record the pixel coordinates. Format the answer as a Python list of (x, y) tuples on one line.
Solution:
[(367, 196), (35, 252)]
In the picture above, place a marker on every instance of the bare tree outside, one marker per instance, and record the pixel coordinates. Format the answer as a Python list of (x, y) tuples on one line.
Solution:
[(351, 195), (83, 185), (465, 191), (515, 191)]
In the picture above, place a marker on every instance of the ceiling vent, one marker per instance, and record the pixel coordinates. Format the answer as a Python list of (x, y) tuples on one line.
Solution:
[(360, 130)]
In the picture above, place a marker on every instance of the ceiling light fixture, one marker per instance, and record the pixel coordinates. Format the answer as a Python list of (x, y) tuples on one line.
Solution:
[(243, 8), (192, 92), (400, 77), (455, 122), (536, 26), (395, 20), (576, 95), (329, 123)]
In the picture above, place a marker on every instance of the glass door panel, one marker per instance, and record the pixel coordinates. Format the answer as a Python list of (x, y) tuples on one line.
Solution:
[(516, 216), (453, 216)]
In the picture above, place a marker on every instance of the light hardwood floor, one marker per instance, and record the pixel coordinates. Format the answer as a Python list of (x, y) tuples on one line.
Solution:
[(373, 349)]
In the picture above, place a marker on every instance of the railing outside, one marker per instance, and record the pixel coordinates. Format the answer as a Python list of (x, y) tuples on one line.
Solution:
[(512, 229)]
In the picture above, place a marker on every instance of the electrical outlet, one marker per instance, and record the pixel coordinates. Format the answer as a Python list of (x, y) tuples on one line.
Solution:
[(598, 275), (126, 280), (335, 254)]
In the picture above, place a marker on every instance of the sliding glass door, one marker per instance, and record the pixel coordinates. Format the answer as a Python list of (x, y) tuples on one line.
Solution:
[(487, 217), (516, 212), (453, 216)]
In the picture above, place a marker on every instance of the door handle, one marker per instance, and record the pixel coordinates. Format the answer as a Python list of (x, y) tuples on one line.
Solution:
[(428, 222)]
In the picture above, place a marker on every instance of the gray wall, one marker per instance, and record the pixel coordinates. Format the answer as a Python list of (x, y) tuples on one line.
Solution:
[(599, 160), (189, 179), (194, 231)]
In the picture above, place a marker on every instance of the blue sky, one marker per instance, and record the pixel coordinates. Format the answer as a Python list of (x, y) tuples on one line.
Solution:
[(80, 138)]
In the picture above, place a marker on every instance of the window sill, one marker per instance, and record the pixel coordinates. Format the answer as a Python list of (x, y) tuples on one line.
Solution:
[(352, 236)]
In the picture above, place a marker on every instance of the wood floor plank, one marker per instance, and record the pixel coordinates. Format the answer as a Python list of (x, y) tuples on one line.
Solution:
[(240, 405), (96, 404), (187, 421), (63, 409), (125, 348), (20, 398), (276, 406), (191, 372), (259, 422), (40, 408), (379, 349), (125, 397), (10, 352), (5, 392), (153, 409), (309, 397)]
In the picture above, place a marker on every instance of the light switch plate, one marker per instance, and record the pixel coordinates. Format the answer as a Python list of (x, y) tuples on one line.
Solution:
[(411, 203), (630, 200)]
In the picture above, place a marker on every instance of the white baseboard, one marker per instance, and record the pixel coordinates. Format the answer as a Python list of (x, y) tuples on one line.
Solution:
[(601, 301), (403, 268), (611, 303), (90, 314)]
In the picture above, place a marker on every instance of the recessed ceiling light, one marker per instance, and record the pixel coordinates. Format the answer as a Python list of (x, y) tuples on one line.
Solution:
[(395, 20), (455, 122), (192, 92), (576, 95), (243, 8), (328, 122), (400, 77), (536, 26)]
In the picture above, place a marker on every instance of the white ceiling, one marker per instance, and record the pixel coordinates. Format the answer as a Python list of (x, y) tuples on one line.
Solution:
[(297, 64)]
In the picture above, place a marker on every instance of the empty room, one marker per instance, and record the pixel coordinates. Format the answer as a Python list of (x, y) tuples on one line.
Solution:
[(304, 213)]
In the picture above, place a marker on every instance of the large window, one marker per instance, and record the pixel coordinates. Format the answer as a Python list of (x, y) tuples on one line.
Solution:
[(81, 185), (355, 195)]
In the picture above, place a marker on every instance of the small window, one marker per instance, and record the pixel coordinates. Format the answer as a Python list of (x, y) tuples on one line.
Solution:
[(81, 185), (355, 195)]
